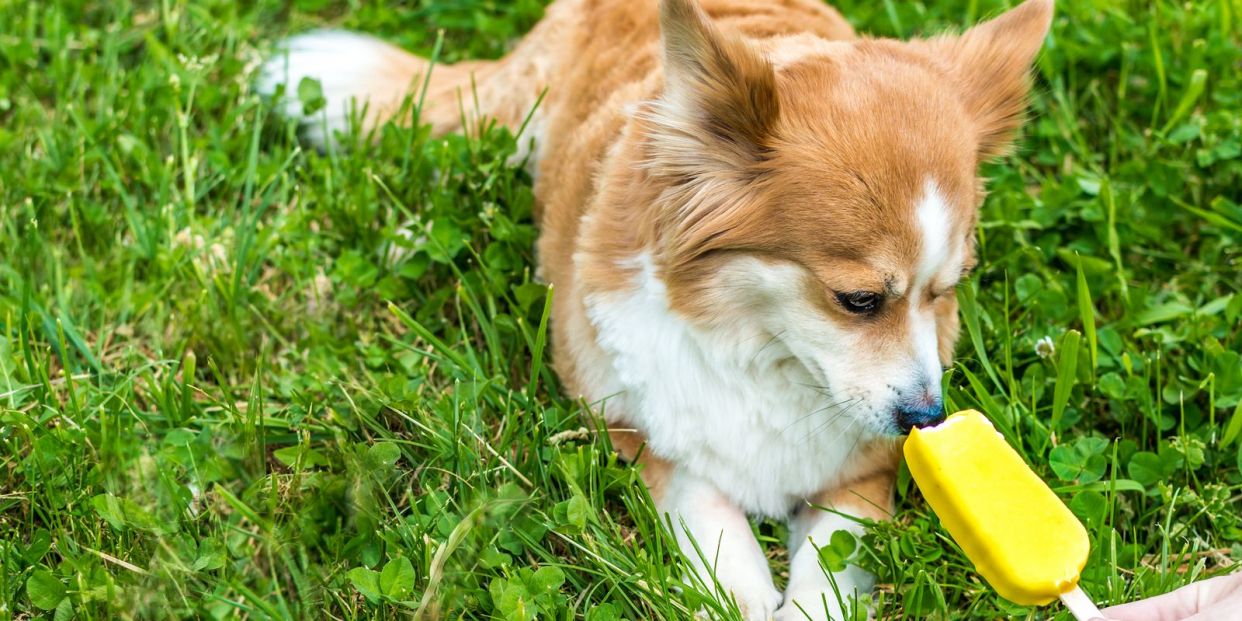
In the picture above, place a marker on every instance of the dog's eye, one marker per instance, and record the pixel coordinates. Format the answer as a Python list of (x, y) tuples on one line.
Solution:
[(860, 302)]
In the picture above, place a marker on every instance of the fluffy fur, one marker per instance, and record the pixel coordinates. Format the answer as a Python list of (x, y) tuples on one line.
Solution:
[(716, 182)]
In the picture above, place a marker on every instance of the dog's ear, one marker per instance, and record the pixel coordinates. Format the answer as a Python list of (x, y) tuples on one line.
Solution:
[(709, 130), (719, 92), (992, 64)]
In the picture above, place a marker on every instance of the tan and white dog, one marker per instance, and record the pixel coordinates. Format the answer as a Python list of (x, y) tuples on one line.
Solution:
[(755, 222)]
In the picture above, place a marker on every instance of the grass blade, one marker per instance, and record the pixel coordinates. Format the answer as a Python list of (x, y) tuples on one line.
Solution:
[(1067, 376), (1086, 313)]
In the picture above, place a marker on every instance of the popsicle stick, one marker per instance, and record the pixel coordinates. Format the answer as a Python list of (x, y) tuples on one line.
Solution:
[(1080, 605)]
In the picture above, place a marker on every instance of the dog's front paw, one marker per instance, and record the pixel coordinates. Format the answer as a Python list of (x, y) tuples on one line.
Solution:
[(756, 603)]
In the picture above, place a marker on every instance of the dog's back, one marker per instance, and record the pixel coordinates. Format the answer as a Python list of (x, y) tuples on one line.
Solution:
[(593, 53)]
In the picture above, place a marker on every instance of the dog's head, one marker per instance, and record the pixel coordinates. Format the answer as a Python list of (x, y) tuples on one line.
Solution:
[(825, 193)]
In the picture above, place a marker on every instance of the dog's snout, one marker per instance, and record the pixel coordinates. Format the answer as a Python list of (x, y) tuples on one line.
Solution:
[(923, 412)]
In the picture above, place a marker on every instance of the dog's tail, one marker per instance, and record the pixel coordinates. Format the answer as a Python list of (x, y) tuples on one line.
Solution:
[(362, 78)]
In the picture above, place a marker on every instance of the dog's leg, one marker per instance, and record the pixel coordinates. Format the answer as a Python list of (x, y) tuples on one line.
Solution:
[(727, 553), (815, 593)]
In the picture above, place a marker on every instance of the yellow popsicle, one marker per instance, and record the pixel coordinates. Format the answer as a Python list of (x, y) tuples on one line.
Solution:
[(1022, 539)]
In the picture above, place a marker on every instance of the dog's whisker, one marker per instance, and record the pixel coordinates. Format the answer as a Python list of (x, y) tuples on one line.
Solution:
[(850, 428), (824, 408), (775, 337), (815, 386), (828, 423), (853, 446)]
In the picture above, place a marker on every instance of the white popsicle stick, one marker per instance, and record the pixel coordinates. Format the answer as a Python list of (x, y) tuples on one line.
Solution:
[(1080, 605)]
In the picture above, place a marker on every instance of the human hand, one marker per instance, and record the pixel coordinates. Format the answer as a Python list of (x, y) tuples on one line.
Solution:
[(1218, 599)]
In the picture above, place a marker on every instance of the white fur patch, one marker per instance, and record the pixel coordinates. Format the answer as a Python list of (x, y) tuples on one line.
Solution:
[(933, 219), (943, 250), (346, 65), (731, 405), (940, 263)]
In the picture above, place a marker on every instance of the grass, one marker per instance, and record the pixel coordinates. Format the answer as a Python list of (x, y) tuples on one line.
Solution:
[(231, 388)]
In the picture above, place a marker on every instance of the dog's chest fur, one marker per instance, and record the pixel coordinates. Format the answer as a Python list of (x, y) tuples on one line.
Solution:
[(729, 406)]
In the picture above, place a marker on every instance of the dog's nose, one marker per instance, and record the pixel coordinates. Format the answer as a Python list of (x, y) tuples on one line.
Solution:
[(924, 413)]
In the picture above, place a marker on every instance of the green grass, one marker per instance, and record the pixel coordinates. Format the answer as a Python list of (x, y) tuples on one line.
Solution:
[(220, 398)]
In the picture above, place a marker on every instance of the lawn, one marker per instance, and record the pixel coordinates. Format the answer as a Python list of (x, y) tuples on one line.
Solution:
[(232, 387)]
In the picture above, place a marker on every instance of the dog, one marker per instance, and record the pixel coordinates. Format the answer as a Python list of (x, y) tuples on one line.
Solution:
[(755, 221)]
